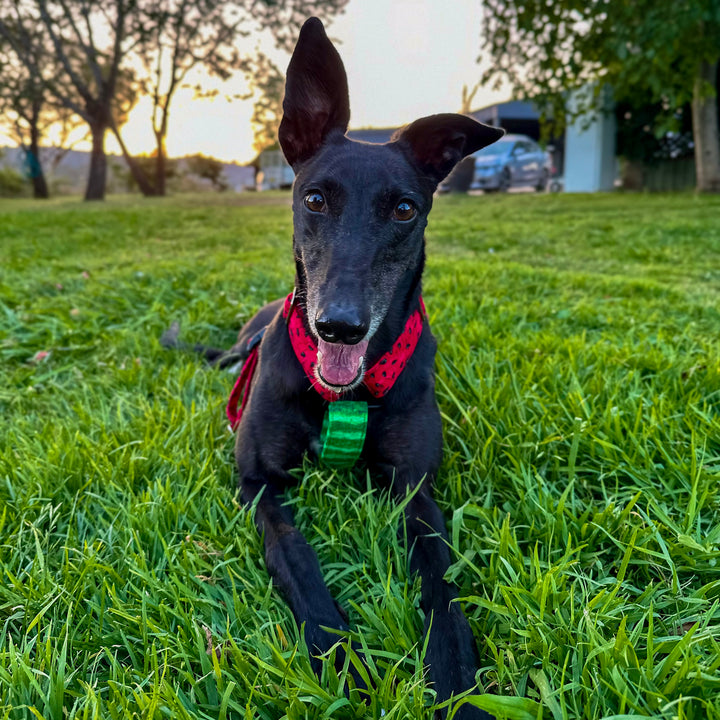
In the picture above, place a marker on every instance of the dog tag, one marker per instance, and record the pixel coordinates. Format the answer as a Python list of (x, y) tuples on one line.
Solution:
[(343, 433)]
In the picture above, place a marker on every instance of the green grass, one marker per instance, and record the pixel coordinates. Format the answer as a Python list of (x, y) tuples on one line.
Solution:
[(579, 381)]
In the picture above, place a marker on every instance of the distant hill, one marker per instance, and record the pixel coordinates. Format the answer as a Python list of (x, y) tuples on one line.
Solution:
[(70, 174)]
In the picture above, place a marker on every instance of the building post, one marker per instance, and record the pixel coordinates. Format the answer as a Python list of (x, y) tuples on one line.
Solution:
[(590, 162)]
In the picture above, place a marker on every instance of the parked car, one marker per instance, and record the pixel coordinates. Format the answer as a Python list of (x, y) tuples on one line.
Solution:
[(515, 160), (557, 184)]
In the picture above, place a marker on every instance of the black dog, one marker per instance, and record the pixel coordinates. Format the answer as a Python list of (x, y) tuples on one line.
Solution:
[(360, 211)]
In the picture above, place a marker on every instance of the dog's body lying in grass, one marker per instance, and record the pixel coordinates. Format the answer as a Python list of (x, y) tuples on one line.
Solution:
[(360, 212)]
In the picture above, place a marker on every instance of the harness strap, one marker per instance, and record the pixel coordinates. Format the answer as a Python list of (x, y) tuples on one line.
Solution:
[(380, 378), (241, 389), (345, 423)]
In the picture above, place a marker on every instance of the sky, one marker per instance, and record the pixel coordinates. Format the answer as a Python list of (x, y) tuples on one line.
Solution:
[(404, 59)]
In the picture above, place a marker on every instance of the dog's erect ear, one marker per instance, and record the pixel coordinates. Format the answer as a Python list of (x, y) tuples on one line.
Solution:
[(439, 142), (316, 95)]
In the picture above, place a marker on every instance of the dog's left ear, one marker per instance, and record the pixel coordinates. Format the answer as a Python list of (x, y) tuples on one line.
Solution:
[(438, 142), (316, 95)]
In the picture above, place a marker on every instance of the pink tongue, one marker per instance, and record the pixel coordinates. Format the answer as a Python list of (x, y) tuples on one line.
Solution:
[(340, 364)]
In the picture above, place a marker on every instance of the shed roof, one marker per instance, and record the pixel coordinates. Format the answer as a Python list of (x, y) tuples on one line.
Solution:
[(371, 135), (511, 110)]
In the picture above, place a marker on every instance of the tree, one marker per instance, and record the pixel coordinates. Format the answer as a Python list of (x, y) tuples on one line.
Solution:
[(27, 111), (90, 68), (268, 85), (91, 41), (468, 95), (126, 96), (176, 36), (648, 51), (70, 25), (22, 102)]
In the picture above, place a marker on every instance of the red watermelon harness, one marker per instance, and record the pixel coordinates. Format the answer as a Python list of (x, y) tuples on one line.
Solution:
[(345, 421)]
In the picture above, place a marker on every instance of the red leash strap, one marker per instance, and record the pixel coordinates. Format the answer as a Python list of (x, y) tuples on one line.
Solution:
[(241, 389)]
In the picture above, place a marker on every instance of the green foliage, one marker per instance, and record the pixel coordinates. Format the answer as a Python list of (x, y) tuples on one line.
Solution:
[(638, 141), (579, 382), (648, 51), (209, 169), (268, 85), (12, 183)]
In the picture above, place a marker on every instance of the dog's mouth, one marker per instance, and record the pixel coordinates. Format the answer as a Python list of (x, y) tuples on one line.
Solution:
[(341, 367)]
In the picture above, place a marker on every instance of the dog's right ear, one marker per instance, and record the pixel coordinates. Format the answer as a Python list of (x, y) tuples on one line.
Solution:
[(438, 142), (316, 95)]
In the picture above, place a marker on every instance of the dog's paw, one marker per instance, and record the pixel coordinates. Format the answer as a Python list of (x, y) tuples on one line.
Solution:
[(451, 654)]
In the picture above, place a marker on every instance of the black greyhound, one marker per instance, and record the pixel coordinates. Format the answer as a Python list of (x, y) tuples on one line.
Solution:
[(360, 212)]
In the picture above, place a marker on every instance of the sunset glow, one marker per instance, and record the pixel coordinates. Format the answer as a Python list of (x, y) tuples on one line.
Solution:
[(404, 59)]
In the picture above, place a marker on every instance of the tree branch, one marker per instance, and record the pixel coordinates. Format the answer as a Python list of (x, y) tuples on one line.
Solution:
[(94, 65), (80, 86), (117, 51)]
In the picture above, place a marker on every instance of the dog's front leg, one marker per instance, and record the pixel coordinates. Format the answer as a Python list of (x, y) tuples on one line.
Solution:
[(409, 453), (272, 437), (451, 652), (295, 570)]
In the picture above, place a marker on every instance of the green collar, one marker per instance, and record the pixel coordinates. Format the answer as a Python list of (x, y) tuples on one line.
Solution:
[(343, 433)]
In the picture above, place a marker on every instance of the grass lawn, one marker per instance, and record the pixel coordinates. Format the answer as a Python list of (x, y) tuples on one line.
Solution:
[(579, 380)]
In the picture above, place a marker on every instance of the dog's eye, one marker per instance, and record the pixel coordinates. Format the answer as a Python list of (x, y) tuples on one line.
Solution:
[(315, 202), (405, 210)]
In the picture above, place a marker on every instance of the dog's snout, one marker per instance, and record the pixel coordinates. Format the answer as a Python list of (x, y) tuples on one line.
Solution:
[(338, 324)]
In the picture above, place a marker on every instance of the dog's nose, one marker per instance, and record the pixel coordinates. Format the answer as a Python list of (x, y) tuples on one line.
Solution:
[(337, 324)]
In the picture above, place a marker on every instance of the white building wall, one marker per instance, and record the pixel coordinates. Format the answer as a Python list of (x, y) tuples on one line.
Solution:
[(590, 164)]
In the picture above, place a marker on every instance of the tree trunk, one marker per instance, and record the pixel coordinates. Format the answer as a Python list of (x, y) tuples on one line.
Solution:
[(37, 176), (39, 183), (160, 164), (138, 174), (706, 132), (98, 163)]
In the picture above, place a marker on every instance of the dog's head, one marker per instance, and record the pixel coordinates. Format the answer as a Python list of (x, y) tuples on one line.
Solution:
[(360, 210)]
